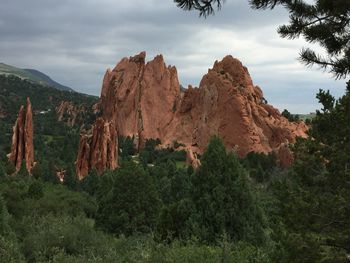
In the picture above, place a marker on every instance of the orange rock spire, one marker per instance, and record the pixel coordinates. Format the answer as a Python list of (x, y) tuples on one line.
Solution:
[(99, 150), (22, 147)]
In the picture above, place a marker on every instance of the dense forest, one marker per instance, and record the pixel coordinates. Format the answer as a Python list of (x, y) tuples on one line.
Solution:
[(156, 209)]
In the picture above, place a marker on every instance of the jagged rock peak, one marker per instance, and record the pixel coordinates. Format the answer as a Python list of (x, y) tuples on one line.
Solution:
[(140, 98), (140, 58), (98, 150), (22, 146), (145, 101), (234, 68), (70, 113)]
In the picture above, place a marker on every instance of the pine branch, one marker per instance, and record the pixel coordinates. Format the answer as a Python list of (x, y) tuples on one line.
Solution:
[(205, 7)]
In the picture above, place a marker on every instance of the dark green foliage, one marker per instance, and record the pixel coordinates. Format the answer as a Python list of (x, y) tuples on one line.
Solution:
[(71, 180), (151, 155), (23, 170), (260, 165), (326, 99), (53, 223), (132, 205), (148, 154), (126, 146), (205, 7), (325, 22), (174, 186), (35, 190), (50, 237), (314, 200), (223, 199), (4, 216), (2, 170), (289, 116), (91, 183), (9, 251)]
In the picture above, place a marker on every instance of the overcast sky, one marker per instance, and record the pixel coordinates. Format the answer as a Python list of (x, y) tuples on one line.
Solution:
[(76, 41)]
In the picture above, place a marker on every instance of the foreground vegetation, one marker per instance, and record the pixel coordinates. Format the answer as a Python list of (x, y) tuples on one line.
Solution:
[(152, 210)]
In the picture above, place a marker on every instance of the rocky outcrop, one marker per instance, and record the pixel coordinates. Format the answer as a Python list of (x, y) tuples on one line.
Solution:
[(192, 159), (145, 101), (98, 150), (228, 105), (285, 155), (69, 113), (60, 175), (22, 147), (141, 98)]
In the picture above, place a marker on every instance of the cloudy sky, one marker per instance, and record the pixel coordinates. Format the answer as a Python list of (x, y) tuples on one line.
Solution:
[(76, 41)]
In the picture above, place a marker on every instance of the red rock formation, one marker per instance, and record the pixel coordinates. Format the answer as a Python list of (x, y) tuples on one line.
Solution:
[(69, 113), (22, 147), (228, 105), (191, 159), (60, 175), (285, 156), (98, 150), (141, 98), (145, 101)]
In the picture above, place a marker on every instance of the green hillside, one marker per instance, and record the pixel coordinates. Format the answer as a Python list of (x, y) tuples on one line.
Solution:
[(32, 75), (15, 90), (55, 142)]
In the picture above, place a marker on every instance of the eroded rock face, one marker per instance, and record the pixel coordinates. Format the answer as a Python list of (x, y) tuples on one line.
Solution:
[(192, 159), (22, 147), (141, 98), (69, 113), (228, 105), (144, 100), (98, 150)]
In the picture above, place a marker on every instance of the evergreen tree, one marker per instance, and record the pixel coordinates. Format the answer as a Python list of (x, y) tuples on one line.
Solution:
[(205, 7), (91, 182), (35, 190), (223, 199), (132, 205), (314, 200)]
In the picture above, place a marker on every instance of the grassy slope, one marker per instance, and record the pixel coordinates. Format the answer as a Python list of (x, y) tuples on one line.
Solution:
[(32, 75)]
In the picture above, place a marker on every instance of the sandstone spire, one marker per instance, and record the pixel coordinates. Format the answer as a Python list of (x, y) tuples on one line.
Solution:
[(99, 150), (22, 147)]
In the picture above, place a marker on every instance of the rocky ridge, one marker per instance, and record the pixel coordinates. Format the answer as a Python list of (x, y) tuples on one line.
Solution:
[(69, 113), (145, 100)]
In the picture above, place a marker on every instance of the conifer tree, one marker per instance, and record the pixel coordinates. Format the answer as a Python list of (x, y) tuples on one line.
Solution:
[(223, 199)]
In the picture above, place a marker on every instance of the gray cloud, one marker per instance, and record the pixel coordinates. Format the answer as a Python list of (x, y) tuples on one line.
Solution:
[(75, 41)]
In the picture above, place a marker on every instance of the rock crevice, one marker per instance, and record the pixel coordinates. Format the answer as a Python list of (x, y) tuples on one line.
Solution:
[(98, 150)]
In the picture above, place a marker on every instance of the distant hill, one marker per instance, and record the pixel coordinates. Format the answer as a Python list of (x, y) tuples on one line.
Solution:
[(48, 80), (32, 75)]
